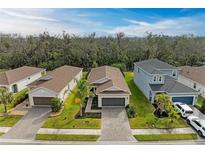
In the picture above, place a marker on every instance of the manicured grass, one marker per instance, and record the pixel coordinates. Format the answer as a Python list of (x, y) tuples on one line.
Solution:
[(2, 133), (165, 137), (67, 118), (16, 96), (8, 121), (145, 117), (66, 137)]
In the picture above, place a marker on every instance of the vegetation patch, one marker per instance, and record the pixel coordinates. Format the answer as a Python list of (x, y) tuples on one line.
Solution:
[(200, 104), (67, 119), (145, 111), (2, 133), (165, 137), (66, 137), (10, 120)]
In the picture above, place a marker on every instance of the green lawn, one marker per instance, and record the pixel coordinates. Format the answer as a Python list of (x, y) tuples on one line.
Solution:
[(8, 121), (165, 137), (145, 117), (67, 118), (2, 133), (16, 96), (66, 137), (199, 101)]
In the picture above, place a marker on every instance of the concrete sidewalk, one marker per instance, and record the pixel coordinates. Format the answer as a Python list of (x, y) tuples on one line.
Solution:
[(69, 131), (163, 131), (4, 129)]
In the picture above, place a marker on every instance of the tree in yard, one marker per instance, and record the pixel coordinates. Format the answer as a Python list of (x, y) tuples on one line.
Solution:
[(164, 102), (83, 91), (6, 97), (56, 104)]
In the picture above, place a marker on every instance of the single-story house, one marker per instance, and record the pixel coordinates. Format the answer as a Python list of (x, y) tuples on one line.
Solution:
[(193, 77), (109, 86), (57, 83), (18, 79), (153, 77)]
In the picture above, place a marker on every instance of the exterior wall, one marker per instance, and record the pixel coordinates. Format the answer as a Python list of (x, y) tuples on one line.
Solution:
[(40, 92), (70, 86), (190, 83), (126, 96), (142, 80), (22, 84)]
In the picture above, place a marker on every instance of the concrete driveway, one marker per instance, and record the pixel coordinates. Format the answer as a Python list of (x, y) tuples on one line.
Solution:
[(29, 125), (115, 125), (198, 113)]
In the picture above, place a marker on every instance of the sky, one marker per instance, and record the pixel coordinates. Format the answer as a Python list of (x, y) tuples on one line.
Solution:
[(133, 22)]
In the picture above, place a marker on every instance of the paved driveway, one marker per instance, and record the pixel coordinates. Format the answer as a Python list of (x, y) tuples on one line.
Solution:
[(198, 113), (28, 126), (115, 125)]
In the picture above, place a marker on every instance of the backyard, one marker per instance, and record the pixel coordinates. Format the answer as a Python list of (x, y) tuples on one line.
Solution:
[(67, 118), (145, 117)]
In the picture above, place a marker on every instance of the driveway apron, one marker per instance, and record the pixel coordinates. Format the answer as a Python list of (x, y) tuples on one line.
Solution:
[(29, 125), (115, 125)]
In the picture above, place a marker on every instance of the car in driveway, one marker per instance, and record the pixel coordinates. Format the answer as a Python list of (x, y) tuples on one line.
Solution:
[(198, 124), (183, 109)]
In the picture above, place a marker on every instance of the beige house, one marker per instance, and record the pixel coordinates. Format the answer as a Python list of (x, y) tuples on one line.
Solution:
[(109, 86), (57, 83), (18, 79)]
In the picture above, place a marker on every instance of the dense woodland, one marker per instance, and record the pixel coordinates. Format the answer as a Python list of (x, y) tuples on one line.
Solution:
[(50, 51)]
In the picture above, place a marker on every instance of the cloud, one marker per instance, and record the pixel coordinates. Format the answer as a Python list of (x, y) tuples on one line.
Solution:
[(177, 26)]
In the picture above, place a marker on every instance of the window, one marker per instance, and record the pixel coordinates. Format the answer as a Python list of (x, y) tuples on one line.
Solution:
[(138, 70), (196, 122), (155, 79), (160, 78), (194, 86), (174, 73), (29, 78)]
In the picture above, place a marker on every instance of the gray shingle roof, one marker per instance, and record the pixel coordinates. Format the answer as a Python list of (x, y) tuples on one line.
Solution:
[(172, 86), (153, 66)]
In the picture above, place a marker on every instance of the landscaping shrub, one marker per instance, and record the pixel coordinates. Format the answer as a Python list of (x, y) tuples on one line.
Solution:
[(20, 97), (203, 106), (131, 111), (56, 104)]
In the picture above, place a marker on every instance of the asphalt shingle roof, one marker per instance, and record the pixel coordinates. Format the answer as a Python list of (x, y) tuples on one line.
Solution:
[(172, 86)]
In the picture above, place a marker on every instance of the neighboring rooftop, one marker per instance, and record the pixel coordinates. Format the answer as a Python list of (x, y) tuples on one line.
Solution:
[(12, 76), (114, 79), (57, 79), (171, 86), (194, 73), (153, 66)]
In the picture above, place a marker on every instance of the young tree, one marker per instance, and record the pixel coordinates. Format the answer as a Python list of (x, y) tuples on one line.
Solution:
[(56, 104), (83, 91), (6, 97)]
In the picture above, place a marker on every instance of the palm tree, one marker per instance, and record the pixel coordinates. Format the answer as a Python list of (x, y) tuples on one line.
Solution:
[(83, 91), (163, 100), (6, 97)]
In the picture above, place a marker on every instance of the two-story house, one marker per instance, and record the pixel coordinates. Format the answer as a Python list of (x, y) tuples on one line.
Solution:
[(154, 76)]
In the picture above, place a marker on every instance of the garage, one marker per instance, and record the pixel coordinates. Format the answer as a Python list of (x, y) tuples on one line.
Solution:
[(187, 100), (113, 101), (42, 100)]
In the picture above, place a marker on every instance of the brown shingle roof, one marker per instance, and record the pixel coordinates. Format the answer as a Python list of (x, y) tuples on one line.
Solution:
[(60, 77), (114, 76), (12, 76), (194, 73)]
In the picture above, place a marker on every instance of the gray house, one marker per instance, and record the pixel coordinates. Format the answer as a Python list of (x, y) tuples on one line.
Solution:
[(154, 76)]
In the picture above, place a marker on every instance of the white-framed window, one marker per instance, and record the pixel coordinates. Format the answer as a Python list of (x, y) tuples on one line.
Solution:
[(160, 79), (174, 73), (155, 79)]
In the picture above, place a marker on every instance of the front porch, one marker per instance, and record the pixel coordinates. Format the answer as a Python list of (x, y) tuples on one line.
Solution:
[(92, 105)]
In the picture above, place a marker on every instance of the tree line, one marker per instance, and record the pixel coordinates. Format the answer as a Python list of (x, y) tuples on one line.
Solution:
[(51, 51)]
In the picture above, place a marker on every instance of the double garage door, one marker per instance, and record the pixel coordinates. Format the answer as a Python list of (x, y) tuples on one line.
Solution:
[(113, 101), (42, 100), (187, 100)]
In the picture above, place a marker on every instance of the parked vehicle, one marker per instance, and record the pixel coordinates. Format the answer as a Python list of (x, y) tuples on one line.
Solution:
[(198, 124), (183, 109)]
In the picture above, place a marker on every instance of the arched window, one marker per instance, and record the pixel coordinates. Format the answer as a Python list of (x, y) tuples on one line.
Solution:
[(155, 79), (160, 79)]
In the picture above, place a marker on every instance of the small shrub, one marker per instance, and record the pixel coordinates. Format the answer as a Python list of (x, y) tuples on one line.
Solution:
[(56, 104), (20, 97), (131, 111), (203, 106)]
